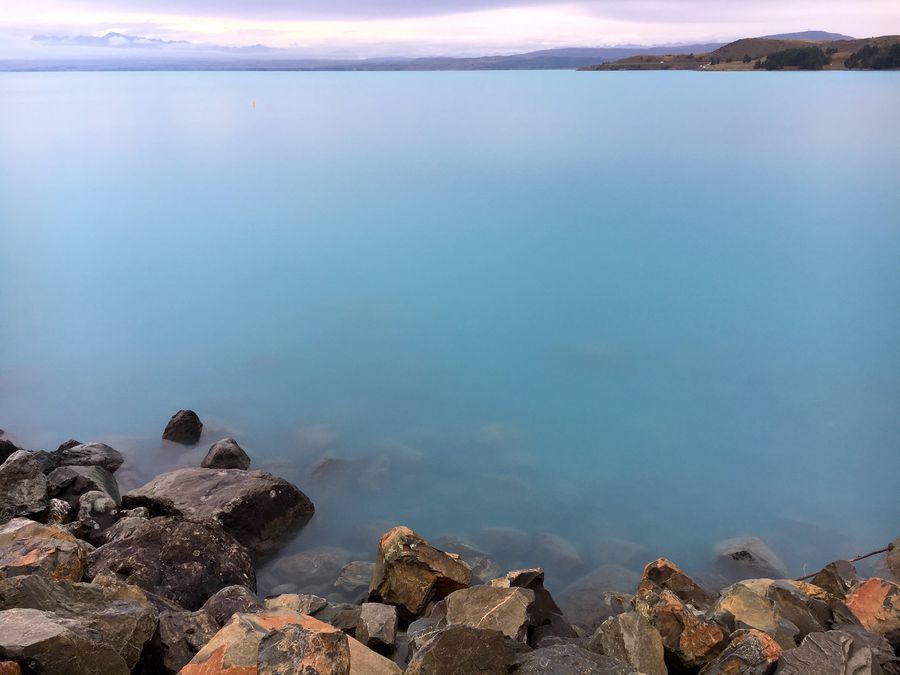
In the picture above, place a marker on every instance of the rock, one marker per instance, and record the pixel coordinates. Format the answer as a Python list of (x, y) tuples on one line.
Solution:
[(748, 558), (688, 637), (507, 610), (544, 611), (876, 603), (882, 652), (7, 448), (377, 627), (124, 527), (97, 511), (410, 573), (831, 653), (612, 551), (484, 567), (255, 507), (667, 575), (273, 642), (355, 577), (557, 554), (89, 454), (223, 604), (47, 644), (10, 668), (181, 635), (461, 650), (312, 570), (23, 487), (27, 547), (746, 605), (107, 614), (363, 661), (58, 512), (892, 559), (583, 602), (70, 482), (837, 578), (570, 659), (630, 638), (139, 512), (749, 652), (226, 454), (806, 606), (179, 560), (184, 428), (340, 615), (302, 604)]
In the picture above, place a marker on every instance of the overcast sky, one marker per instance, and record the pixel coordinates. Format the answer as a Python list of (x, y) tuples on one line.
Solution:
[(415, 27)]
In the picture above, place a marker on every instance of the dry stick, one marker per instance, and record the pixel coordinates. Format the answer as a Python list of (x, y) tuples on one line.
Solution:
[(852, 560)]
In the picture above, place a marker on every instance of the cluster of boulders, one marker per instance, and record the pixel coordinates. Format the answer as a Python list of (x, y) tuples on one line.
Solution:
[(162, 579)]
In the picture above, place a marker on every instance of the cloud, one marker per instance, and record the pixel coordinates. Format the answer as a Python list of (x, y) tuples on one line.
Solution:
[(120, 41)]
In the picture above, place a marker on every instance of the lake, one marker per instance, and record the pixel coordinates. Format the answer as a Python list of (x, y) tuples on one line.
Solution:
[(660, 307)]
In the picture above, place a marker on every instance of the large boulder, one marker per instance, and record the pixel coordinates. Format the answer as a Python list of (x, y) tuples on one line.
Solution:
[(410, 573), (749, 652), (70, 482), (462, 650), (747, 604), (748, 558), (507, 610), (184, 427), (23, 486), (179, 560), (106, 613), (544, 610), (569, 659), (834, 652), (224, 604), (255, 507), (27, 547), (876, 603), (377, 627), (89, 454), (632, 639), (226, 454)]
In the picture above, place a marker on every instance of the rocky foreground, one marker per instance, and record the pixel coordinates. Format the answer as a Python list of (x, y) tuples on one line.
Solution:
[(162, 579)]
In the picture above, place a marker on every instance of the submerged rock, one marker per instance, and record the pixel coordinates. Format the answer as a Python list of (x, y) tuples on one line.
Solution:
[(749, 652), (185, 428), (23, 486), (508, 610), (255, 507), (179, 560), (590, 600), (27, 547), (355, 577), (226, 454), (748, 558), (410, 573), (313, 570), (632, 639), (462, 650), (89, 454)]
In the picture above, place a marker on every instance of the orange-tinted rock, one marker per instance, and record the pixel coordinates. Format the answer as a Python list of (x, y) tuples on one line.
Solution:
[(410, 573), (876, 603), (749, 652), (27, 547), (746, 605), (666, 574), (10, 668)]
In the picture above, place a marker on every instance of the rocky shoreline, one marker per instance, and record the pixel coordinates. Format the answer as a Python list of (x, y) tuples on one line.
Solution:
[(163, 579)]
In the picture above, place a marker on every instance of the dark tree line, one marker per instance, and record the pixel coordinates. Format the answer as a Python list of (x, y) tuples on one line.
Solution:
[(804, 58), (871, 57)]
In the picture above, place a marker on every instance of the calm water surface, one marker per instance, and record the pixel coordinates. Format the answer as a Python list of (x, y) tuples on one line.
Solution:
[(660, 307)]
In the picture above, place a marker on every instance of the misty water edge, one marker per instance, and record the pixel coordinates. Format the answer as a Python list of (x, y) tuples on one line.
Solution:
[(639, 311)]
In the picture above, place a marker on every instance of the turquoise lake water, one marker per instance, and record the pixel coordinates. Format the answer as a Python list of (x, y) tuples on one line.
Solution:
[(659, 307)]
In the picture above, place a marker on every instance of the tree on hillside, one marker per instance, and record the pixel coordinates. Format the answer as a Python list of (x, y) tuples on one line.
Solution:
[(875, 58), (802, 58), (747, 58)]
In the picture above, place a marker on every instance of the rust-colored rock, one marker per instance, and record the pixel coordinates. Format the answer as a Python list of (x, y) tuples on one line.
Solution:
[(749, 652), (876, 603), (667, 575), (410, 573), (10, 668), (27, 547)]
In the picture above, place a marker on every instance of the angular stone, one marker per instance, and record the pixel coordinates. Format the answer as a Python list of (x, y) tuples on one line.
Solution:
[(226, 454), (484, 567), (377, 628), (747, 605), (108, 614), (507, 610), (70, 482), (179, 560), (27, 547), (569, 659), (185, 428), (59, 512), (806, 606), (363, 661), (461, 650), (837, 578), (876, 603), (410, 573), (632, 639), (50, 644), (341, 615), (667, 575), (89, 454), (355, 577), (223, 604), (7, 448), (749, 652), (255, 507), (892, 559), (181, 635), (587, 603), (544, 611), (748, 558), (302, 604), (831, 653), (10, 668), (23, 487), (97, 512)]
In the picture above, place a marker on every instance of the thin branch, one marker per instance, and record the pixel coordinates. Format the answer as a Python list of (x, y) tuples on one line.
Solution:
[(852, 560)]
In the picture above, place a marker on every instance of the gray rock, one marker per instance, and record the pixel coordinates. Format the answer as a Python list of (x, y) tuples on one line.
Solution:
[(23, 487), (377, 628), (225, 603), (340, 615), (312, 570), (557, 554), (460, 650), (70, 482), (830, 653), (226, 454), (892, 560), (570, 659), (300, 603), (507, 543), (748, 558), (180, 560), (837, 578), (140, 512), (97, 511), (7, 448), (632, 639), (507, 610), (545, 613), (181, 635), (89, 454), (185, 428), (255, 507), (484, 567), (59, 512)]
